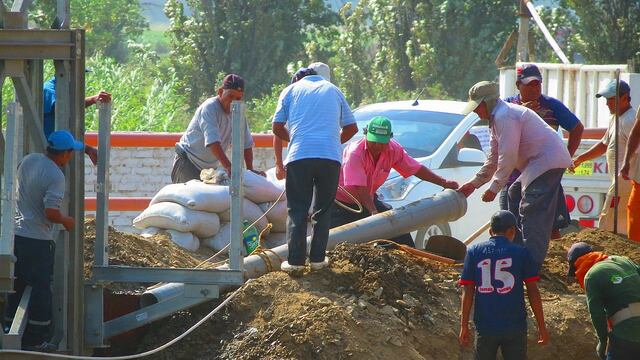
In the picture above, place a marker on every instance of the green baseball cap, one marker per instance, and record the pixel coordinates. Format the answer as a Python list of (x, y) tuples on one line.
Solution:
[(379, 130)]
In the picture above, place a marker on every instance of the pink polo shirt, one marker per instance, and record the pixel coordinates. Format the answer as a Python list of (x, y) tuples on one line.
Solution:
[(359, 169)]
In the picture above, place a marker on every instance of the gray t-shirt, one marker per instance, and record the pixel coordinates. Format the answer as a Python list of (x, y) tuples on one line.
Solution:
[(40, 186), (209, 124)]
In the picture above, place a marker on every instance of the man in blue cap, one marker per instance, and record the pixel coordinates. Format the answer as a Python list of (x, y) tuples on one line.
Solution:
[(626, 114), (556, 115), (41, 187), (494, 273)]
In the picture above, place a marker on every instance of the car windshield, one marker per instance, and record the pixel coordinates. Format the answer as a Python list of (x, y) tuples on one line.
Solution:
[(420, 132)]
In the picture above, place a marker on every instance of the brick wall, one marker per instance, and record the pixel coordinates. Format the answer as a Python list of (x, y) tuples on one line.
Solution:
[(141, 172)]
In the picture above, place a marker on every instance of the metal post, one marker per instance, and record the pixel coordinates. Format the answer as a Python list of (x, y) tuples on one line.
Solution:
[(616, 169), (236, 189), (8, 200), (102, 187)]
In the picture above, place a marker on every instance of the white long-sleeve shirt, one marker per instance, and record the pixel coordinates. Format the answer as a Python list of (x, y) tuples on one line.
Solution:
[(520, 140)]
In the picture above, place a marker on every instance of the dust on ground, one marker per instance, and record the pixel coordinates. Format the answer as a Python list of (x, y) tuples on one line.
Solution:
[(373, 304)]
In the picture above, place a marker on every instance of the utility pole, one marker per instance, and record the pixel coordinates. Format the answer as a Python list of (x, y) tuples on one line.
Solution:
[(523, 32)]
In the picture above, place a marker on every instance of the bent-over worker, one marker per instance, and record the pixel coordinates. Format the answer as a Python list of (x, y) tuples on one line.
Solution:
[(366, 164), (612, 284)]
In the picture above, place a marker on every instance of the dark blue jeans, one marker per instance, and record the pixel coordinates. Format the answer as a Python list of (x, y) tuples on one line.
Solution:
[(304, 178), (621, 349), (34, 268), (513, 346)]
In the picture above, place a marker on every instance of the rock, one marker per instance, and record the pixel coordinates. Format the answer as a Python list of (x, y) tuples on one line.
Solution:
[(324, 301), (378, 292), (410, 300), (403, 304), (387, 310), (362, 304), (395, 341)]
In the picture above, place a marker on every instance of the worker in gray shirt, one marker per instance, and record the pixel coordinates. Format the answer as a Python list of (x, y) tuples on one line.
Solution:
[(208, 135), (41, 187)]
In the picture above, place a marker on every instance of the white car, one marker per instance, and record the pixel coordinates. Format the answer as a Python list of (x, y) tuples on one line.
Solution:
[(435, 133)]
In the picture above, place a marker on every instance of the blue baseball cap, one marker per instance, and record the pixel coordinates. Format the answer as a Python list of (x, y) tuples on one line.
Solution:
[(503, 220), (577, 250), (62, 140), (609, 90), (527, 73)]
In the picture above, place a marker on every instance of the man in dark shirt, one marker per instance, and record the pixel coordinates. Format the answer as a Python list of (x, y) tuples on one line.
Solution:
[(493, 274)]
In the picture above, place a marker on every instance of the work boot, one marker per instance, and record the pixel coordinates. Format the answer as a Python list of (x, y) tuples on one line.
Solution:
[(315, 266), (292, 270)]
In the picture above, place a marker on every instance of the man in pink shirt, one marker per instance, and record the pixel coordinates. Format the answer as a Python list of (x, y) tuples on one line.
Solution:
[(520, 140), (366, 164)]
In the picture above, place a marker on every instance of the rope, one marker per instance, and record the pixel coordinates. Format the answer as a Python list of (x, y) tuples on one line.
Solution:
[(135, 356), (347, 207)]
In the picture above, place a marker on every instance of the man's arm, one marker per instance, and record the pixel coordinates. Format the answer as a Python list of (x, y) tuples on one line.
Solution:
[(347, 132), (281, 173), (596, 310), (486, 171), (248, 158), (575, 137), (217, 151), (280, 131), (362, 194), (468, 292), (536, 305), (632, 146), (102, 96), (596, 150), (56, 217), (427, 175)]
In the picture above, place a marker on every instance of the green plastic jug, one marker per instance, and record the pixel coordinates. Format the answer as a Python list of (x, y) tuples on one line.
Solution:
[(250, 237)]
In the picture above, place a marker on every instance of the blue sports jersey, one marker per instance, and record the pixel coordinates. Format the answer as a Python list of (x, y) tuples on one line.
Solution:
[(498, 268)]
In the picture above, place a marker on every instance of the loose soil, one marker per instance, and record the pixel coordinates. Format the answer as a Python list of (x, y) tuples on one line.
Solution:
[(374, 304)]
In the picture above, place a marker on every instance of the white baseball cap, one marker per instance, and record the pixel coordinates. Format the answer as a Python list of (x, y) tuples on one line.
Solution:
[(321, 69)]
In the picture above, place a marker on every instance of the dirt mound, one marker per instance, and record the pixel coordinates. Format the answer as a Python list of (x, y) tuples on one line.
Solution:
[(135, 250), (370, 304), (554, 274)]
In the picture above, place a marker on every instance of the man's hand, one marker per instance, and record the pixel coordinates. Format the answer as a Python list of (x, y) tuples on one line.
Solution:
[(68, 223), (624, 172), (543, 336), (463, 337), (574, 164), (92, 153), (488, 196), (281, 172), (467, 189), (450, 184), (601, 350)]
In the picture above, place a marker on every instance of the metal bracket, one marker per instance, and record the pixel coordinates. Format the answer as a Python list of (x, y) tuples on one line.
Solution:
[(155, 275), (13, 339)]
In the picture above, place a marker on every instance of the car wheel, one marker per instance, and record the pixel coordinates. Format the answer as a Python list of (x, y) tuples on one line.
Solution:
[(423, 235)]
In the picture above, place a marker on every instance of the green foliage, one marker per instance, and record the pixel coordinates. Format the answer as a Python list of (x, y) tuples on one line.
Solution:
[(562, 24), (610, 29), (260, 110), (110, 25), (253, 38)]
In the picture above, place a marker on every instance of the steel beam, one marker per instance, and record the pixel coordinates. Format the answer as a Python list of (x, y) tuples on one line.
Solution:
[(13, 339), (237, 181), (8, 197), (102, 191), (33, 116), (22, 44), (94, 315), (154, 275)]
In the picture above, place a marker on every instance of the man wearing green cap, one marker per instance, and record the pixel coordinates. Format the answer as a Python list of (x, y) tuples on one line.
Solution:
[(366, 163), (520, 140), (607, 145)]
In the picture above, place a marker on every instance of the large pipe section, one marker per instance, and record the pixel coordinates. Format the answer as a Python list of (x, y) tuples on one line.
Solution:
[(448, 205)]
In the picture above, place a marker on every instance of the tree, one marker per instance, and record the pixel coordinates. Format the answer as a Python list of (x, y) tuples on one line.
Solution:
[(253, 38), (110, 25), (610, 29)]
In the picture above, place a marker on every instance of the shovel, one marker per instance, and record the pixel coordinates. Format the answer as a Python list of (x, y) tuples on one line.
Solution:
[(450, 247)]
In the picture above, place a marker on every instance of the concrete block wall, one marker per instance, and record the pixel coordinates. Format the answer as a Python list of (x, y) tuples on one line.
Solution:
[(142, 172)]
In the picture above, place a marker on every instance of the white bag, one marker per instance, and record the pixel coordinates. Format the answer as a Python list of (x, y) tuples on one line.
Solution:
[(168, 215), (196, 195), (258, 189), (185, 240), (275, 239), (251, 212), (219, 240), (277, 216)]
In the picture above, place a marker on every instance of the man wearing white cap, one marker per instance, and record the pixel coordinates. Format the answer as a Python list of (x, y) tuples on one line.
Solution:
[(520, 140), (607, 145)]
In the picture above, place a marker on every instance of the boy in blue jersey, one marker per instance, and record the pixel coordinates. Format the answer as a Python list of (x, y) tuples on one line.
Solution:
[(494, 272)]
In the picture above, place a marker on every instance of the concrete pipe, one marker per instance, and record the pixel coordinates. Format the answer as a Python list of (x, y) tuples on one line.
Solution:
[(448, 205)]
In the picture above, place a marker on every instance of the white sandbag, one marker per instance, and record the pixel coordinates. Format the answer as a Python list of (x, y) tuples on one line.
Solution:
[(219, 240), (151, 231), (196, 195), (258, 189), (276, 216), (168, 215), (275, 239), (251, 212), (185, 240)]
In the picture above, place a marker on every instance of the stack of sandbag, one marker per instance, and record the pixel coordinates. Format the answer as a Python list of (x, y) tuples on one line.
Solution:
[(197, 212)]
